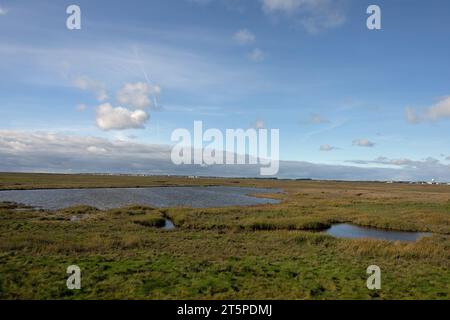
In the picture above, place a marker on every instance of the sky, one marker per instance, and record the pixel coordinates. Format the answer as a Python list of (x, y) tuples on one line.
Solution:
[(350, 103)]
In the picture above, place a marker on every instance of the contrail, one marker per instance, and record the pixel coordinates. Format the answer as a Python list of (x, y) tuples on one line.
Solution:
[(147, 78)]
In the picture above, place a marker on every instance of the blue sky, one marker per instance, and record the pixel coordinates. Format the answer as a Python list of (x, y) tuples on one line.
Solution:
[(340, 94)]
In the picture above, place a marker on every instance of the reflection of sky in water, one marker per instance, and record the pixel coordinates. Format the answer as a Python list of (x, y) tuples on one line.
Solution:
[(169, 225), (345, 230), (197, 197)]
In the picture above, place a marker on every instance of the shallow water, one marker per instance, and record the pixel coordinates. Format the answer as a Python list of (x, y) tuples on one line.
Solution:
[(345, 230), (107, 198), (168, 225)]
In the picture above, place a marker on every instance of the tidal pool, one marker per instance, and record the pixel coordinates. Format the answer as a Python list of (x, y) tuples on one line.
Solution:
[(168, 225), (345, 230), (108, 198)]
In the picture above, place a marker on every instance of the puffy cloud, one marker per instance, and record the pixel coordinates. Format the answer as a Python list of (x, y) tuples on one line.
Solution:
[(133, 97), (119, 118), (327, 147), (137, 95), (244, 36), (257, 55), (438, 111), (363, 143), (313, 15), (87, 84), (3, 11)]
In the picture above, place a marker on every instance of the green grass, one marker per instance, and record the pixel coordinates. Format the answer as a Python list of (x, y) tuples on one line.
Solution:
[(258, 252)]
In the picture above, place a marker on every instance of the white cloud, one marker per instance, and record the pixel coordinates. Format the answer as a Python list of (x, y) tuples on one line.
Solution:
[(313, 15), (244, 36), (363, 143), (38, 142), (23, 151), (3, 11), (119, 118), (96, 150), (438, 111), (58, 152), (327, 147), (134, 97), (257, 55), (87, 84), (401, 162), (137, 95)]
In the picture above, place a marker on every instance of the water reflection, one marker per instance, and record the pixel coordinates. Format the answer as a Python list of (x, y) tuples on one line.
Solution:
[(107, 198), (168, 225), (345, 230)]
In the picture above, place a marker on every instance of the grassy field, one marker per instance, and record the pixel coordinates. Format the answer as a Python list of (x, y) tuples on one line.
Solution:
[(259, 252)]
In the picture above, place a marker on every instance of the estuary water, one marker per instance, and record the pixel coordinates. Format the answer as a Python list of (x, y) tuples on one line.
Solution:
[(345, 230), (108, 198)]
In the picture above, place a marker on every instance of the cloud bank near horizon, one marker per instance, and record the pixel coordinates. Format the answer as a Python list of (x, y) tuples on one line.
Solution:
[(22, 151)]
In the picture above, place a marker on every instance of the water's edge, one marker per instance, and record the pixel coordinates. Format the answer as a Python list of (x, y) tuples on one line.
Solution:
[(352, 231), (162, 197)]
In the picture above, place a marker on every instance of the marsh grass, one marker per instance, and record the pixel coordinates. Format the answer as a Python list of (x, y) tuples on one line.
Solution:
[(259, 252), (155, 219)]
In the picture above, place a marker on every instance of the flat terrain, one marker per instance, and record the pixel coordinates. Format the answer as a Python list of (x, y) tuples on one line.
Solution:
[(260, 252)]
